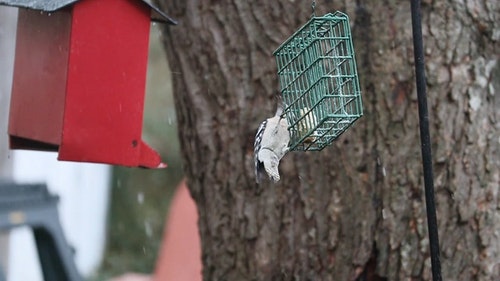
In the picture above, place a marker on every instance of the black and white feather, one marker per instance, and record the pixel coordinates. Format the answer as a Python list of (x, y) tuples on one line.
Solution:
[(271, 144), (259, 166)]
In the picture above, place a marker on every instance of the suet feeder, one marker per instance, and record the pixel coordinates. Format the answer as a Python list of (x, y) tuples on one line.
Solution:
[(319, 81), (80, 78)]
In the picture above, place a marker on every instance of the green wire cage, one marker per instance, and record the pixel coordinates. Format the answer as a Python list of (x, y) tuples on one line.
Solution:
[(319, 82)]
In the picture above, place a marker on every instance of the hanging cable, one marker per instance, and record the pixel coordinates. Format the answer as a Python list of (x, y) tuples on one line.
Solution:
[(425, 140)]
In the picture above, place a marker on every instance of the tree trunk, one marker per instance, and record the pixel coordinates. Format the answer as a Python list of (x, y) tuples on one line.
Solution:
[(355, 209)]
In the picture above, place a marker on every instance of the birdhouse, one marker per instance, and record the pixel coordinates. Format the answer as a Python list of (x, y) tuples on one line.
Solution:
[(319, 81), (80, 78)]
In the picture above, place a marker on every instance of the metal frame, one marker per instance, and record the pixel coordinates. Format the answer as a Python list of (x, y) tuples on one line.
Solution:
[(319, 81)]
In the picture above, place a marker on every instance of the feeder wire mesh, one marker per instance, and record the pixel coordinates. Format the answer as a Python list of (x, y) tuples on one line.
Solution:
[(319, 81)]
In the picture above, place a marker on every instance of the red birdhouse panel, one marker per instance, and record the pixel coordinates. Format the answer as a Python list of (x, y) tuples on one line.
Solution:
[(106, 79), (39, 86), (79, 82)]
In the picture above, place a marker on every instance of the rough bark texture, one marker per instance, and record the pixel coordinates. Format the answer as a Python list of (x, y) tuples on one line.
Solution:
[(355, 209)]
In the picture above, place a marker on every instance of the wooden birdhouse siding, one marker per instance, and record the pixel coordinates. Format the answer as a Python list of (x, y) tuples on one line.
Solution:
[(39, 85), (107, 82), (79, 82)]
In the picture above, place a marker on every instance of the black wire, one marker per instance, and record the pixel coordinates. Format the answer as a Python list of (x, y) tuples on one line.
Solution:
[(425, 139)]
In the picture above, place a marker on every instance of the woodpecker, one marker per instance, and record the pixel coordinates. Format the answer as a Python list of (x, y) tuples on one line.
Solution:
[(271, 144)]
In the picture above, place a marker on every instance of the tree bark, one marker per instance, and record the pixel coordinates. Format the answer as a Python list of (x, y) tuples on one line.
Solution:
[(355, 209)]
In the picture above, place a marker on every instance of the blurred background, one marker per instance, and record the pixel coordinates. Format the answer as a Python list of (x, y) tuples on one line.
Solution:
[(140, 198), (113, 217)]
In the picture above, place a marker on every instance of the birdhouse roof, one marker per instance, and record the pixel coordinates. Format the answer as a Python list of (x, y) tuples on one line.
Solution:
[(54, 5)]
